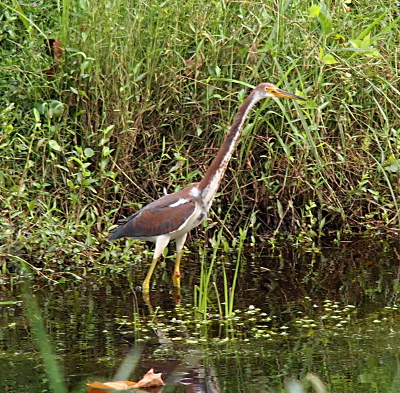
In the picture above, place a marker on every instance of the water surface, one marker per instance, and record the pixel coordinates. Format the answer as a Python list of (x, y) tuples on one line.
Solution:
[(333, 313)]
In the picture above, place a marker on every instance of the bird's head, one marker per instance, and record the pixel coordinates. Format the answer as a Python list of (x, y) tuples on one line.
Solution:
[(265, 90)]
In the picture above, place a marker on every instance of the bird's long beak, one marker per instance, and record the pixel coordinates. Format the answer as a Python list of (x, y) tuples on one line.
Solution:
[(284, 94)]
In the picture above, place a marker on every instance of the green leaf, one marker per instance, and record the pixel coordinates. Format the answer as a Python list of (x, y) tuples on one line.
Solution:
[(37, 115), (84, 65), (329, 59), (56, 108), (280, 208), (107, 151), (314, 11), (84, 5), (21, 14), (367, 30), (326, 24), (364, 46), (54, 145), (83, 93), (140, 77), (31, 205), (387, 29), (88, 152), (365, 43), (393, 167)]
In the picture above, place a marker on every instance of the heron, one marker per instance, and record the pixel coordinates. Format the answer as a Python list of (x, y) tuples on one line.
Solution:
[(173, 216)]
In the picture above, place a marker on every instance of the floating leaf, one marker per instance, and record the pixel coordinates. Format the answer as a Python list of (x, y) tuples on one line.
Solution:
[(149, 380), (94, 387)]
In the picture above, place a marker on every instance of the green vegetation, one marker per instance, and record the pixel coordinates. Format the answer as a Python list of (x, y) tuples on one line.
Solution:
[(142, 96)]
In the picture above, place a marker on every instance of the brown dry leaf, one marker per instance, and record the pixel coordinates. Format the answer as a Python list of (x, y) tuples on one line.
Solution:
[(57, 50), (53, 49), (252, 54), (195, 62), (209, 38), (150, 379)]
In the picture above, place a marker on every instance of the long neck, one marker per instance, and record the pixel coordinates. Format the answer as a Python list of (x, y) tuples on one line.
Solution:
[(212, 179)]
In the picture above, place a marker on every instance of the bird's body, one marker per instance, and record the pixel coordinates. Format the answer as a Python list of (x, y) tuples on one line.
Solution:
[(159, 218), (174, 215)]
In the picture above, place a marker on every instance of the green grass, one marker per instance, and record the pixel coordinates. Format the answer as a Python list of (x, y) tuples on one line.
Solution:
[(144, 95)]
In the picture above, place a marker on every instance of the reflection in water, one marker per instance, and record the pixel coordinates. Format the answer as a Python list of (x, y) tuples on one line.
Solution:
[(333, 313)]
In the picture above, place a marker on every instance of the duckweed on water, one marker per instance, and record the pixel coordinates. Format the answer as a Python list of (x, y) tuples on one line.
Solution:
[(180, 324)]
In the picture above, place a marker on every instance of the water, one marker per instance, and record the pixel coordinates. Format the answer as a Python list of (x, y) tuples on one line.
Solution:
[(332, 315)]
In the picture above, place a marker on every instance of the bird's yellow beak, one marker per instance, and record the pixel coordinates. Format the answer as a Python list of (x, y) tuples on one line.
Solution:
[(284, 94)]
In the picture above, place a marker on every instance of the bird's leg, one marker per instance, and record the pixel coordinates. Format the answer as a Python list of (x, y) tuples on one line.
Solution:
[(161, 243), (146, 299), (146, 282), (176, 278)]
